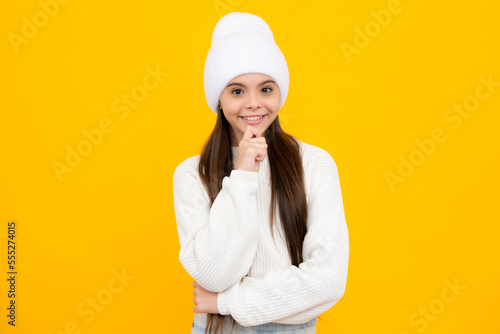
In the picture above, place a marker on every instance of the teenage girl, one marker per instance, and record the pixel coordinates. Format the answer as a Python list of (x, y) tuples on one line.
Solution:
[(259, 213)]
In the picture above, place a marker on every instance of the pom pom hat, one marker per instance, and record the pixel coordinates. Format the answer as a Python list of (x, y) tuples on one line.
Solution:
[(242, 43)]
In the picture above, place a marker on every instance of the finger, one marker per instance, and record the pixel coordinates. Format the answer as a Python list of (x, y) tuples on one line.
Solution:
[(259, 142), (259, 145), (260, 151), (250, 132)]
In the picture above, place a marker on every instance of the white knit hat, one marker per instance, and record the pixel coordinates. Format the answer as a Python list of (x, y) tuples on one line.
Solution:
[(242, 43)]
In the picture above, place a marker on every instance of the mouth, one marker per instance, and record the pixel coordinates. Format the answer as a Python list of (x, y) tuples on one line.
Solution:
[(254, 119)]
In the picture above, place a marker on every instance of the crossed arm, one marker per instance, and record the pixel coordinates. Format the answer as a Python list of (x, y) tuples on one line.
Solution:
[(294, 294)]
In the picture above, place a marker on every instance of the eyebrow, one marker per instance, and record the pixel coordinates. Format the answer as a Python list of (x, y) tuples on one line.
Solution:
[(242, 85)]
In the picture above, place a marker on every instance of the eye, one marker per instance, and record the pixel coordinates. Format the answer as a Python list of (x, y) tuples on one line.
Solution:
[(270, 89), (234, 90)]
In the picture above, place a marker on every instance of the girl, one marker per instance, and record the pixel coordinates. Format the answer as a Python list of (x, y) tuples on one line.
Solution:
[(259, 213)]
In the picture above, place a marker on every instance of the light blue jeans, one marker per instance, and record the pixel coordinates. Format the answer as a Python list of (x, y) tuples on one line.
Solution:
[(200, 320)]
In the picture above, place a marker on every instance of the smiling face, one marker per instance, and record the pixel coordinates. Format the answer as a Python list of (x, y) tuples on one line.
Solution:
[(251, 94)]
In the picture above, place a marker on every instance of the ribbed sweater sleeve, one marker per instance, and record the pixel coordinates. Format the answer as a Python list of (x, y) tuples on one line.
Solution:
[(218, 243), (297, 294)]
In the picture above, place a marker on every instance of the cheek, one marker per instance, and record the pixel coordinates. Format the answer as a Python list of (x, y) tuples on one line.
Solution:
[(233, 105), (274, 102), (274, 106), (231, 114)]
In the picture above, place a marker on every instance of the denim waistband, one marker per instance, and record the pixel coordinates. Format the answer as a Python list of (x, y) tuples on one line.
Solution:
[(200, 320)]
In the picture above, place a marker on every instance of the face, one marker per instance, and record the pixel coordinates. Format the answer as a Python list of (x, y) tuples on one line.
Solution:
[(251, 94)]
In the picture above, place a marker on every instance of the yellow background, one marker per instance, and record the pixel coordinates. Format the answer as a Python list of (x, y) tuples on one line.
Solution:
[(114, 210)]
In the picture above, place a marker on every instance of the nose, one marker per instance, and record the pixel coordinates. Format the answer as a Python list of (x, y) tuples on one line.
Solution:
[(253, 101)]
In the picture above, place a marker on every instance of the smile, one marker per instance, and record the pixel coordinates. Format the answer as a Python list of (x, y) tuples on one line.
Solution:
[(253, 120)]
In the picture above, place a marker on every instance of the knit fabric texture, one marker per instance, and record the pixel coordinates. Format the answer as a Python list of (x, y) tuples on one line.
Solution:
[(228, 248), (242, 43)]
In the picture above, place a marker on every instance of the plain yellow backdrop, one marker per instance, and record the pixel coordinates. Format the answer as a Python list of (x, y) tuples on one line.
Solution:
[(101, 101)]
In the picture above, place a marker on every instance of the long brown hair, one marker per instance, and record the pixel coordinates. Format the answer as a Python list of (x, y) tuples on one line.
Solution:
[(287, 186)]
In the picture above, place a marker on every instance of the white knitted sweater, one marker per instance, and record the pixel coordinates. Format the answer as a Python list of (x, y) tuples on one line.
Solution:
[(228, 248)]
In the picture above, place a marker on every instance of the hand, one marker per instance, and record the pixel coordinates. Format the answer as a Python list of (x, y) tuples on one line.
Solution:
[(251, 151), (205, 301)]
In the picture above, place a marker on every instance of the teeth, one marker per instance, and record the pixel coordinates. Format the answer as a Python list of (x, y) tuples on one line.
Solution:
[(253, 118)]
